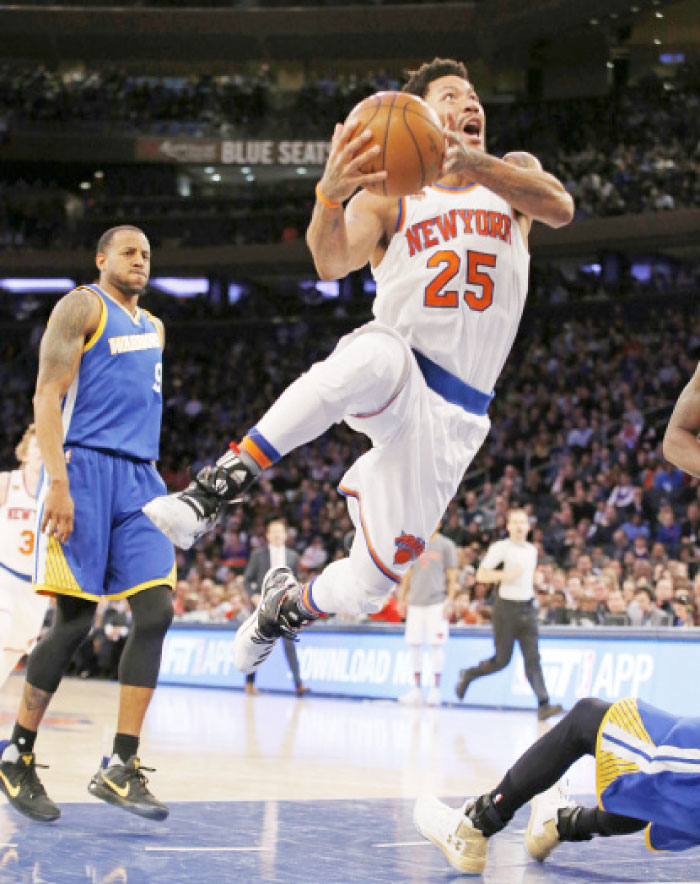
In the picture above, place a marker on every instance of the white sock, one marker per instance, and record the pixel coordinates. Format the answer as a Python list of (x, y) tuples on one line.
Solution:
[(437, 652), (417, 664)]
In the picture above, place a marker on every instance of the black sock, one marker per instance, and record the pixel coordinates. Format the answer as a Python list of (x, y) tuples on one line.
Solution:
[(486, 814), (582, 823), (125, 745), (295, 611), (23, 738)]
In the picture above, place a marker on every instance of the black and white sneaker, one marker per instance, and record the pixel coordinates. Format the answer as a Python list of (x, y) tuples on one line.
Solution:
[(256, 638), (184, 517)]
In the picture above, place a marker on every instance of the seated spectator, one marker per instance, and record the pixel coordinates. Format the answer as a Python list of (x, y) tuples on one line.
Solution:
[(643, 611), (668, 531), (586, 613), (557, 613), (683, 612), (314, 556), (616, 613), (663, 591)]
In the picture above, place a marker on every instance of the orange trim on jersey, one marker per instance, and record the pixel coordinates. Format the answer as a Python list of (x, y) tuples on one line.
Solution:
[(454, 189), (346, 492), (255, 452)]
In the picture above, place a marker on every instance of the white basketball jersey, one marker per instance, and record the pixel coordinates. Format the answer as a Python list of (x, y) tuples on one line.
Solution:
[(453, 280), (17, 529)]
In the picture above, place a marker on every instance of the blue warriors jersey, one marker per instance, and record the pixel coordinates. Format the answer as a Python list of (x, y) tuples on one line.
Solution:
[(648, 767), (115, 402)]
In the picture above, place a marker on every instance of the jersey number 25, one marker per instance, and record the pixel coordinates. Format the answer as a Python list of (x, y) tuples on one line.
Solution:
[(438, 295)]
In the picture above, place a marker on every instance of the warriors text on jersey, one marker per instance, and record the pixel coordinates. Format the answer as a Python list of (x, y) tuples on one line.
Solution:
[(115, 401), (453, 281), (17, 526)]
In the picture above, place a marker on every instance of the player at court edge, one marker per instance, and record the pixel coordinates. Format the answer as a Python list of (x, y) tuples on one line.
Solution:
[(417, 380), (22, 611), (98, 406), (647, 778)]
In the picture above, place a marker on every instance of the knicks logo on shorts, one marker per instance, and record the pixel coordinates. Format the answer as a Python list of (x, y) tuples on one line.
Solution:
[(408, 548)]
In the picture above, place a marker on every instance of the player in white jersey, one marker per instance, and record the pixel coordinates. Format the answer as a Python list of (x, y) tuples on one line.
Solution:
[(451, 266), (22, 612)]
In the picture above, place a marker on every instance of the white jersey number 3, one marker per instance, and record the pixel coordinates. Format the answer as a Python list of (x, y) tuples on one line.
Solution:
[(438, 295)]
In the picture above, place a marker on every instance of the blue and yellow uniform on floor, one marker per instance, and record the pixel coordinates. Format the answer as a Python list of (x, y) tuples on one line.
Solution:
[(648, 767), (111, 426)]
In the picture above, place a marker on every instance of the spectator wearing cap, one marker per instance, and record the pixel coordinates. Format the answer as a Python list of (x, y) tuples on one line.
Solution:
[(683, 613)]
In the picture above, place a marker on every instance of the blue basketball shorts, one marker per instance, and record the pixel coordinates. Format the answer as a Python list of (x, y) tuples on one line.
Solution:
[(115, 550)]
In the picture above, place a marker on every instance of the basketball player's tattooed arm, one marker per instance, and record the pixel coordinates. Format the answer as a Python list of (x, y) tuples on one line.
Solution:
[(518, 179), (340, 239), (681, 446), (74, 318)]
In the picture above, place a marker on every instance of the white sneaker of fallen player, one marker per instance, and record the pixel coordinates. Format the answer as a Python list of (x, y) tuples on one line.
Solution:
[(449, 829), (541, 834)]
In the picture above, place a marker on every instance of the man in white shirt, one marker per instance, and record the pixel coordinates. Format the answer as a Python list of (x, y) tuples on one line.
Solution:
[(514, 613)]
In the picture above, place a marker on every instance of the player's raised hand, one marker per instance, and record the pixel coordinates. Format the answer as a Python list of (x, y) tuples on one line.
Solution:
[(57, 520), (348, 155)]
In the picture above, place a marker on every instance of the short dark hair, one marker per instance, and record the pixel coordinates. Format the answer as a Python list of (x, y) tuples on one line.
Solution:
[(418, 81), (644, 587), (105, 240)]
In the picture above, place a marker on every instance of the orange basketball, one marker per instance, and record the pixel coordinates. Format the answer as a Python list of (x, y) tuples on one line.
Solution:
[(409, 134)]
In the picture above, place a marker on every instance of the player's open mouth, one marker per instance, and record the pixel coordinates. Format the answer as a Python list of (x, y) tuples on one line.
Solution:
[(472, 128)]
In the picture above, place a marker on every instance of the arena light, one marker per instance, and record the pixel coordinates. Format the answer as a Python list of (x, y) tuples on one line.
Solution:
[(328, 288), (180, 286), (234, 292), (28, 284)]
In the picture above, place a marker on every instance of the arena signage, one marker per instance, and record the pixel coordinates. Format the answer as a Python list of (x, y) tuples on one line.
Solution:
[(231, 152), (377, 664)]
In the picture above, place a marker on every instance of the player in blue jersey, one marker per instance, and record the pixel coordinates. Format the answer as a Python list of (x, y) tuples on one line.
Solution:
[(98, 406), (647, 777)]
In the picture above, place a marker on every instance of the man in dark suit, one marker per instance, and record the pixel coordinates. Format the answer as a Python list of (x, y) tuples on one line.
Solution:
[(273, 555)]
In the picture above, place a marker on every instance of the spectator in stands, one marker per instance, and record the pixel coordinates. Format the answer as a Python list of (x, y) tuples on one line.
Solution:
[(643, 612)]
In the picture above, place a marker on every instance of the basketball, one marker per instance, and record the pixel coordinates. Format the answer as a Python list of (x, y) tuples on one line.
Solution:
[(409, 134)]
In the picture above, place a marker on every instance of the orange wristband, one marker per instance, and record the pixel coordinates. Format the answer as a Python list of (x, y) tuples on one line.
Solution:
[(329, 204)]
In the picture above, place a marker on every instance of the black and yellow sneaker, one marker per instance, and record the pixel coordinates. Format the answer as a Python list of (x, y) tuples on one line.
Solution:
[(21, 784), (125, 786)]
